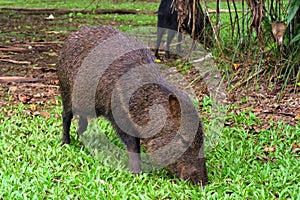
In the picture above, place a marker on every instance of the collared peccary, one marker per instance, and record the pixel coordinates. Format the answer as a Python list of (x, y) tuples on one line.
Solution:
[(128, 90), (168, 21)]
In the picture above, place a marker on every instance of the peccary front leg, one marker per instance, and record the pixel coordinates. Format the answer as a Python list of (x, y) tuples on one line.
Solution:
[(82, 124), (179, 39), (160, 33), (133, 148), (67, 118), (171, 35)]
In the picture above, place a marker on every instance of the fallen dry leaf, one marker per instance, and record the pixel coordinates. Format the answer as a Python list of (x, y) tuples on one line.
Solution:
[(236, 66), (297, 112), (36, 113), (270, 149), (24, 98), (257, 110), (44, 114), (295, 148), (296, 145), (13, 89), (33, 107), (269, 117)]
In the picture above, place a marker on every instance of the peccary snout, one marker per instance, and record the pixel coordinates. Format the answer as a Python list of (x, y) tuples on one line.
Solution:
[(104, 73), (195, 172)]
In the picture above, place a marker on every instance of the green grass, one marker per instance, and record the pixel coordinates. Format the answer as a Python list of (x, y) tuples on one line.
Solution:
[(35, 166)]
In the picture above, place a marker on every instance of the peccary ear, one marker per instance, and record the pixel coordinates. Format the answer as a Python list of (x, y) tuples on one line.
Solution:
[(174, 105)]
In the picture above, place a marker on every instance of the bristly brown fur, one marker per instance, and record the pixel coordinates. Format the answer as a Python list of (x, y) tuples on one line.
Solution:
[(77, 46)]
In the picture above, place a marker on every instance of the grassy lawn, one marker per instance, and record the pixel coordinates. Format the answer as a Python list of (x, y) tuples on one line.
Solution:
[(245, 164), (35, 165)]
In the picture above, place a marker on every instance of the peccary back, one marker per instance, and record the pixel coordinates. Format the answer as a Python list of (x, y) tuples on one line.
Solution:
[(103, 72)]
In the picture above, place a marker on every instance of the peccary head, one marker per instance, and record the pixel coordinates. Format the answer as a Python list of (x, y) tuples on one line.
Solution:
[(176, 144), (191, 165)]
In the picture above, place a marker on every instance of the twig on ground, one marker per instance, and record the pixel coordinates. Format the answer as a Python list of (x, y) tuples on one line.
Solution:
[(16, 62), (13, 49), (245, 81), (19, 79)]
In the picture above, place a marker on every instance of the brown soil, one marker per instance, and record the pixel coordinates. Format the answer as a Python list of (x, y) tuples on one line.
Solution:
[(41, 44)]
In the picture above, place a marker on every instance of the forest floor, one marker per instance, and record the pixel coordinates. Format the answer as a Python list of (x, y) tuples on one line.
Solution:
[(30, 45)]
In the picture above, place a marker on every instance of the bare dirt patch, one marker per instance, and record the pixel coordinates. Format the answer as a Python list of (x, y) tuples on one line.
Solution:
[(29, 47)]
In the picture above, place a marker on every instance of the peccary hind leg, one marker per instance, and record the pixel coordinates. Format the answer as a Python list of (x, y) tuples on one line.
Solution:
[(82, 124), (160, 33), (133, 148), (67, 118), (178, 46), (171, 35)]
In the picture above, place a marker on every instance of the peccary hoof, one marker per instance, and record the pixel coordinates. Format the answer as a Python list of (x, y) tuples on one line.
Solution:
[(167, 55), (66, 141), (134, 163), (156, 54)]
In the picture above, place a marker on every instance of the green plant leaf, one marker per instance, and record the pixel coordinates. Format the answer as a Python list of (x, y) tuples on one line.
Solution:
[(292, 10), (296, 38)]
